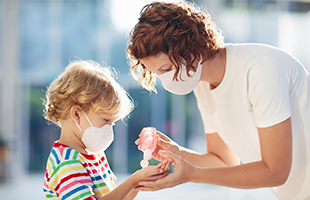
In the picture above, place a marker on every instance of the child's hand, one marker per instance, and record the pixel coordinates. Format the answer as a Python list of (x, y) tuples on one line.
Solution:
[(152, 173), (165, 165)]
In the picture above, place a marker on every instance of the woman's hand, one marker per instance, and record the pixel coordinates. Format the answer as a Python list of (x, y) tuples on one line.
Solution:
[(163, 143), (183, 172)]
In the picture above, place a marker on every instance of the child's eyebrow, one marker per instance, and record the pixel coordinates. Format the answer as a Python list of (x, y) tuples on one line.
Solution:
[(109, 118)]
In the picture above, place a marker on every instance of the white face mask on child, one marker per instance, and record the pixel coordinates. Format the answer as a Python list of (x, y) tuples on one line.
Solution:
[(183, 86), (97, 139)]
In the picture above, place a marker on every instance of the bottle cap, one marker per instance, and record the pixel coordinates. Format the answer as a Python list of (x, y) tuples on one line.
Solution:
[(147, 154), (144, 163)]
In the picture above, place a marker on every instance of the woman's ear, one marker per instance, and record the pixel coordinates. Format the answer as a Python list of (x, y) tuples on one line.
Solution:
[(75, 113)]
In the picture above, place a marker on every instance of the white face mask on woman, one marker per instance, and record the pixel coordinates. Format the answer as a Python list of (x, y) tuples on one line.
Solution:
[(185, 84), (97, 139)]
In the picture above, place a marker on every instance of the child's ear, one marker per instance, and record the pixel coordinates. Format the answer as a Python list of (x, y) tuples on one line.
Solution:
[(75, 112)]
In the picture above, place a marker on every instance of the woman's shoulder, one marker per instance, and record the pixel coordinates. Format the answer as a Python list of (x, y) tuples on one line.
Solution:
[(255, 49), (249, 45)]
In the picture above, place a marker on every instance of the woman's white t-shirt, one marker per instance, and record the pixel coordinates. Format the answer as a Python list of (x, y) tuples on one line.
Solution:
[(262, 86)]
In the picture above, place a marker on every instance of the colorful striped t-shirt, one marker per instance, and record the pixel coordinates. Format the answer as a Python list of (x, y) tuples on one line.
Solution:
[(71, 175)]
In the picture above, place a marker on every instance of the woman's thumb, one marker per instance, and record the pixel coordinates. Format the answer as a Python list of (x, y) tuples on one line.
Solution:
[(163, 144), (168, 154)]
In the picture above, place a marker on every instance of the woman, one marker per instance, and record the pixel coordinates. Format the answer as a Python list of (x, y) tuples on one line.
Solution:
[(254, 100)]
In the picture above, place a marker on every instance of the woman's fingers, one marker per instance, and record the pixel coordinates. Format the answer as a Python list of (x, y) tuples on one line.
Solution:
[(137, 142), (163, 136), (169, 156), (165, 182), (164, 144)]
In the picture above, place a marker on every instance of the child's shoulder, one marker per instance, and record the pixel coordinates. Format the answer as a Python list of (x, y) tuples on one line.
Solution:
[(61, 153)]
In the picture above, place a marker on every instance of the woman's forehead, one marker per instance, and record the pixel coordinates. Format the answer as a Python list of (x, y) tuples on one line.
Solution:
[(155, 61)]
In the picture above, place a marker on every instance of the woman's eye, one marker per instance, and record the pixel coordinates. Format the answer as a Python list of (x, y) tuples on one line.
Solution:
[(168, 69)]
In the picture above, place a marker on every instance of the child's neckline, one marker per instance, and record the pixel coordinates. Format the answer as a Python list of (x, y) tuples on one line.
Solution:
[(87, 156)]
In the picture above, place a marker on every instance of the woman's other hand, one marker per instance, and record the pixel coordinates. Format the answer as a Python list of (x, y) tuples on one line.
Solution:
[(163, 143)]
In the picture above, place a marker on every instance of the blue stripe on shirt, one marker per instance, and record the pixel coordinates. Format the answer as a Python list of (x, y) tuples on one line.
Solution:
[(82, 187), (98, 178), (68, 153), (56, 156)]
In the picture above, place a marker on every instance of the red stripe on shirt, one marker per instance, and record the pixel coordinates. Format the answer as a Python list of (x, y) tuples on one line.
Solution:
[(91, 198), (69, 177)]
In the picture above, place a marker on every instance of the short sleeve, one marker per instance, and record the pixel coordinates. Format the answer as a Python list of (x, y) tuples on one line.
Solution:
[(70, 180), (268, 90)]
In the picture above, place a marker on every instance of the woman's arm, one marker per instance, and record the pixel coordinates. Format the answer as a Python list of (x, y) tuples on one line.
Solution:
[(218, 153), (273, 170)]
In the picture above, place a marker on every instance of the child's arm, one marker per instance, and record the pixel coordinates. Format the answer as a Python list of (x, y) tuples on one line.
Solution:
[(125, 189), (132, 195)]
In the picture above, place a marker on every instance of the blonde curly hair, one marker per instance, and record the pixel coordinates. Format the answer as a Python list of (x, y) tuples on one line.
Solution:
[(180, 30), (88, 85)]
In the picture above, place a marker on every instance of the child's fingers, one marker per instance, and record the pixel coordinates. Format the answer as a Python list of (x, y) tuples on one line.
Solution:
[(167, 165), (160, 165), (163, 165), (151, 171), (158, 176)]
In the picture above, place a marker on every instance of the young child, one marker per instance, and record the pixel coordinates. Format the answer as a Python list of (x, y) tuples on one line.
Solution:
[(85, 101)]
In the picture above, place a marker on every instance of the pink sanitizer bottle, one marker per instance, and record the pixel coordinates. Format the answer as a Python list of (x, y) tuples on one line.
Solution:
[(148, 144)]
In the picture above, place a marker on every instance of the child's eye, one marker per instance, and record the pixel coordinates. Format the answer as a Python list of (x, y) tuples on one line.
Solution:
[(107, 120)]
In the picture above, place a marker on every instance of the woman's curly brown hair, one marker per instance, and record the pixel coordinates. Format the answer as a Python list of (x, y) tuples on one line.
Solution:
[(179, 30)]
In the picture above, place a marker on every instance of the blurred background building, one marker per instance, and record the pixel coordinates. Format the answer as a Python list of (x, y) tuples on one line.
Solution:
[(38, 38)]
